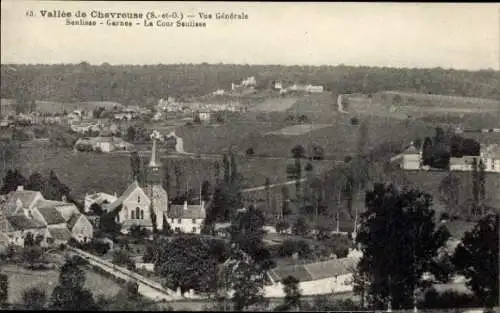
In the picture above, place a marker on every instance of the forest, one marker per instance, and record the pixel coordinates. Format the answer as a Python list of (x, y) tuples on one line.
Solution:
[(145, 84)]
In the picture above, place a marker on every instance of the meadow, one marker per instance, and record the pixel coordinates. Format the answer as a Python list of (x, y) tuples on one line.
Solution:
[(21, 279)]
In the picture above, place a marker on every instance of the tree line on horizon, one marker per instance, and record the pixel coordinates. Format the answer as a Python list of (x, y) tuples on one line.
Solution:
[(145, 84)]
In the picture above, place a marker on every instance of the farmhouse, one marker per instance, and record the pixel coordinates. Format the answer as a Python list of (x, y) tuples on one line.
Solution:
[(186, 218), (315, 278), (27, 211)]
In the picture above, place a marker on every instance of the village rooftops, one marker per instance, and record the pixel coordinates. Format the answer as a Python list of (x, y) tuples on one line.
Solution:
[(24, 197), (73, 220), (315, 271), (185, 211), (51, 215), (60, 234), (21, 222)]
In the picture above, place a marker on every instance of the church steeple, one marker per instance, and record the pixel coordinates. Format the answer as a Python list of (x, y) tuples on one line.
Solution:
[(154, 166)]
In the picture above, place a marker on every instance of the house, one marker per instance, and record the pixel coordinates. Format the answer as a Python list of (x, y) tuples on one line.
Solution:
[(19, 199), (465, 163), (99, 198), (412, 158), (491, 157), (204, 116), (278, 85), (186, 218), (18, 227), (102, 144), (218, 92), (81, 228), (138, 204), (314, 89), (317, 278)]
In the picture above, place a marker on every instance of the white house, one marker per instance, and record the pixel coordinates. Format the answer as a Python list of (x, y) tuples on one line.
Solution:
[(218, 92), (186, 218), (465, 163), (204, 116), (491, 157), (314, 89)]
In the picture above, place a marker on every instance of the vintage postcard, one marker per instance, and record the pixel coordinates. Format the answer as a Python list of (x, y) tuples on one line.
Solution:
[(249, 156)]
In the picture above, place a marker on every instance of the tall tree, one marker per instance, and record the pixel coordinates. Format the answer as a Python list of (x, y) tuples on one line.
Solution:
[(36, 182), (268, 193), (11, 181), (247, 233), (481, 177), (399, 244), (449, 190), (186, 262), (178, 176), (205, 191), (439, 136), (292, 293), (135, 165), (70, 293), (4, 288), (476, 258), (427, 151), (475, 186), (226, 169), (55, 190)]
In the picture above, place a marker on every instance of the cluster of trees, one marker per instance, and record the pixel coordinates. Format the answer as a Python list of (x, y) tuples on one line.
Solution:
[(50, 187), (400, 243), (135, 84)]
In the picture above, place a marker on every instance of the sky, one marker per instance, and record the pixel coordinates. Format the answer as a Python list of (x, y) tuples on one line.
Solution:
[(459, 36)]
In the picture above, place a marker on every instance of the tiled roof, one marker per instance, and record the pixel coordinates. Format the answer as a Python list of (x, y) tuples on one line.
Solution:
[(51, 215), (21, 222), (61, 234), (143, 223), (73, 219), (26, 197), (186, 211), (331, 268), (297, 271), (50, 203), (315, 271)]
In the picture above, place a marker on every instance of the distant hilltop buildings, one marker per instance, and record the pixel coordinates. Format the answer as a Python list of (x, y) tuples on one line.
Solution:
[(278, 85)]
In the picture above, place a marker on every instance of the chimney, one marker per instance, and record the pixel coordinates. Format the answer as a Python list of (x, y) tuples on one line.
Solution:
[(20, 188), (185, 205)]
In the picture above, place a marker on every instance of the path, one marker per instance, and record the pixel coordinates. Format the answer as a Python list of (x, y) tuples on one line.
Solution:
[(263, 187), (147, 287)]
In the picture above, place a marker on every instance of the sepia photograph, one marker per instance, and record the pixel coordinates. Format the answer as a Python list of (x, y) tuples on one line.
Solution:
[(250, 156)]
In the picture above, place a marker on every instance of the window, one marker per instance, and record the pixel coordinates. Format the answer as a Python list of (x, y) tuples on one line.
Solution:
[(142, 214), (137, 212), (179, 221), (172, 220), (194, 230), (194, 221), (138, 199), (177, 230), (132, 216)]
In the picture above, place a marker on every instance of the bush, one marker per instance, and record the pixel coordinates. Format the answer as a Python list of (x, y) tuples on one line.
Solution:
[(250, 152), (289, 247), (282, 226), (448, 299), (354, 121)]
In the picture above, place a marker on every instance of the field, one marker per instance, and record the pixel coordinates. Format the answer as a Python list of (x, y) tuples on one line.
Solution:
[(275, 104), (60, 107), (20, 279), (296, 130)]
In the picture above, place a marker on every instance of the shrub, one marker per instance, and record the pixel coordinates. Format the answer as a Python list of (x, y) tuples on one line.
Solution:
[(354, 121), (250, 152), (448, 299), (282, 226), (289, 247)]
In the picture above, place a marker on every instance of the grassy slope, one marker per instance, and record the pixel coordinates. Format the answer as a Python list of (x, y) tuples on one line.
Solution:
[(20, 279)]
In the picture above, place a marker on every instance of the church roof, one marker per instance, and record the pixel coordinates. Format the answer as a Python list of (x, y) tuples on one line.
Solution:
[(119, 201)]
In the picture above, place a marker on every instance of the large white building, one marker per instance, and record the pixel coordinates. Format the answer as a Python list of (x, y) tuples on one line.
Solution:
[(490, 155)]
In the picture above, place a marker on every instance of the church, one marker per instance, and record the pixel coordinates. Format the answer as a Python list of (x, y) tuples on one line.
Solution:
[(141, 205), (144, 205)]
